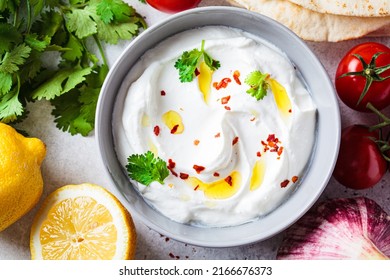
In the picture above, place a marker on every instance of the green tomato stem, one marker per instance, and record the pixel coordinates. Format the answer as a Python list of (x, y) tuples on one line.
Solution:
[(385, 119)]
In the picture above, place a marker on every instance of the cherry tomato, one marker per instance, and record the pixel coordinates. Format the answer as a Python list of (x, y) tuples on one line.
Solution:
[(367, 64), (360, 163), (173, 6)]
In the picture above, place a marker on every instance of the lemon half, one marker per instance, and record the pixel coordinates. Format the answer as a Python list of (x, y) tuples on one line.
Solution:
[(82, 222)]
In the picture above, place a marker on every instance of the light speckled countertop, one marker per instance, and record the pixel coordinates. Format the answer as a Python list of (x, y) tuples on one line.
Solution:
[(75, 159)]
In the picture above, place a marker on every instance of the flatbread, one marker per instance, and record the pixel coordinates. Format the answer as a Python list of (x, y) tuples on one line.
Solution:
[(314, 26), (381, 32), (362, 8)]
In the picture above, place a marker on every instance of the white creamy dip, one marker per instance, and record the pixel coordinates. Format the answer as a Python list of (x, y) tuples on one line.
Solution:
[(232, 158)]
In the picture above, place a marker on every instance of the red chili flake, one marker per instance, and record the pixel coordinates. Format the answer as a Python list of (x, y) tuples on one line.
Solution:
[(236, 77), (290, 111), (222, 84), (197, 187), (198, 168), (252, 119), (184, 176), (166, 239), (227, 108), (284, 183), (156, 130), (235, 140), (217, 135), (216, 174), (225, 99), (171, 163), (174, 129), (294, 179), (258, 154), (272, 144), (162, 93), (171, 166), (197, 72), (229, 180), (280, 151), (196, 142), (272, 138), (172, 255)]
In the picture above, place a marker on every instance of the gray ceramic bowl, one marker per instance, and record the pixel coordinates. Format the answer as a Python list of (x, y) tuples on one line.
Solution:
[(327, 140)]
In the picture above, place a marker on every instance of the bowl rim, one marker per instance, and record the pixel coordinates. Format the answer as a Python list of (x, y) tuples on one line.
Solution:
[(101, 126)]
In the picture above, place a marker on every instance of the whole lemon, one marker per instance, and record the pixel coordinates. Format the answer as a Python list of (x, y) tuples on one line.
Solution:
[(21, 182)]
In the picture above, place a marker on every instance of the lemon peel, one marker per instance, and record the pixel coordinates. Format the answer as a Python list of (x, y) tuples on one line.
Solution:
[(21, 182)]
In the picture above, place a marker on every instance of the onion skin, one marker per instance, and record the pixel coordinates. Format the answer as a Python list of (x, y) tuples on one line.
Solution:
[(345, 228)]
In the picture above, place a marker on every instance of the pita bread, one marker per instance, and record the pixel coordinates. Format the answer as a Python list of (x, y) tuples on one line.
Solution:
[(363, 8), (314, 26), (381, 32)]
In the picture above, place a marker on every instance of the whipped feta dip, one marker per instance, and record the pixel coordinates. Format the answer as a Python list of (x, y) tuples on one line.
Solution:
[(231, 158)]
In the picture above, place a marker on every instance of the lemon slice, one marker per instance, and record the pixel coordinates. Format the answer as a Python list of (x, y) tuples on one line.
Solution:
[(82, 222)]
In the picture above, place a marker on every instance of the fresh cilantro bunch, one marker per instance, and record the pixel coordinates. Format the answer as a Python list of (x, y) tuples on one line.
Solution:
[(146, 168), (258, 84), (189, 61), (66, 32)]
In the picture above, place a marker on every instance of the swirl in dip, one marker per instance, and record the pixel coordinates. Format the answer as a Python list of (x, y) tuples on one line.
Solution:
[(232, 158)]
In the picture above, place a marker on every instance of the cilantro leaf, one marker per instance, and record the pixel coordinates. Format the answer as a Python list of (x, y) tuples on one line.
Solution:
[(11, 60), (37, 6), (75, 111), (50, 22), (63, 81), (187, 64), (11, 5), (5, 82), (258, 84), (90, 93), (67, 114), (10, 107), (88, 102), (9, 36), (76, 49), (36, 44), (31, 67), (113, 10), (146, 168), (80, 21), (211, 63), (112, 33), (189, 61)]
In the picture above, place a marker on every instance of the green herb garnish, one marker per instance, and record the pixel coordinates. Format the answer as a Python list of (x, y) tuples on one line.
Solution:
[(66, 32), (189, 61), (146, 168), (258, 84)]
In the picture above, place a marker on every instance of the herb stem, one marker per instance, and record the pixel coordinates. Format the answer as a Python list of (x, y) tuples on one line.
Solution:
[(28, 16), (101, 51), (16, 14)]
